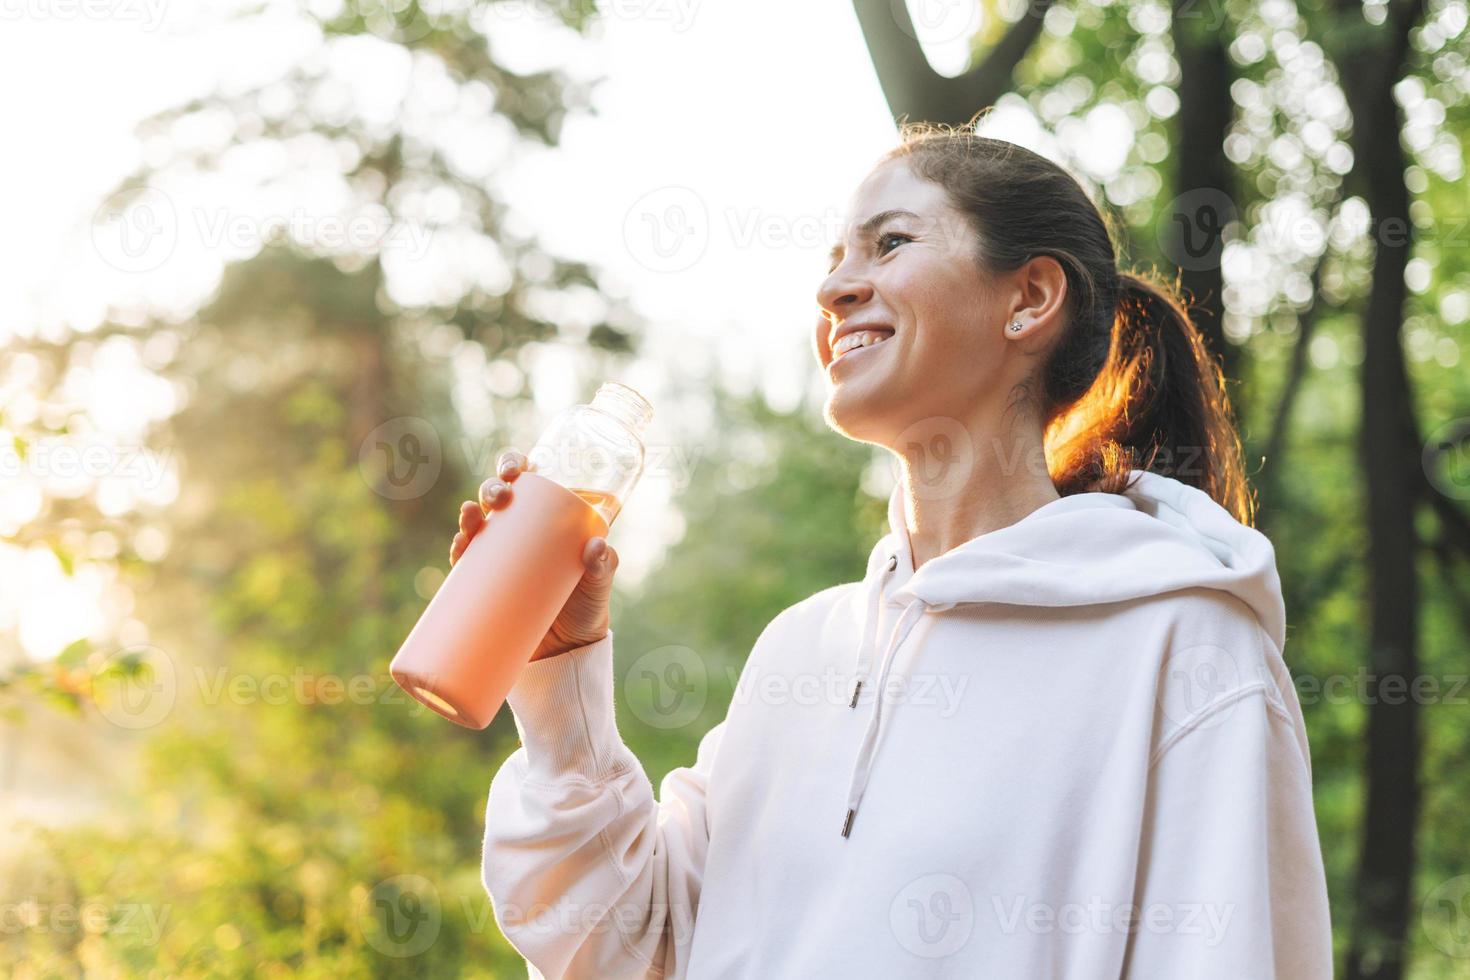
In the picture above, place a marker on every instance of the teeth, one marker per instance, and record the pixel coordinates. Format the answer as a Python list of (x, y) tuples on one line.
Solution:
[(860, 338)]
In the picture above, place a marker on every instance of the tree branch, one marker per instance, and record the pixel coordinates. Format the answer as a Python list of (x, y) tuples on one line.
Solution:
[(912, 87)]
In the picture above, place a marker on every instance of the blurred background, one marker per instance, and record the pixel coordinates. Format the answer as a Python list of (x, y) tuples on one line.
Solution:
[(283, 279)]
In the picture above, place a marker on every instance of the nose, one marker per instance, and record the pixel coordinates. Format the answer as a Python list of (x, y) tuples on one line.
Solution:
[(838, 295), (842, 291)]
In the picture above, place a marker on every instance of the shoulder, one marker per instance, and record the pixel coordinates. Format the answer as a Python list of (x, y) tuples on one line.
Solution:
[(1201, 616), (801, 627), (1216, 654), (817, 610), (1201, 613)]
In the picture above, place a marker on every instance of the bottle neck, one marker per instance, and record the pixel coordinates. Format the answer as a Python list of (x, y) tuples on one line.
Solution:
[(623, 404)]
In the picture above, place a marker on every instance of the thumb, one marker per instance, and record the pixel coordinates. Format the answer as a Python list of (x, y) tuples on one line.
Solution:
[(601, 560)]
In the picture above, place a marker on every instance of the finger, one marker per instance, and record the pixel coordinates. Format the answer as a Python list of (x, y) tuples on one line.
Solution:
[(457, 546), (468, 511), (512, 463), (474, 520), (492, 494)]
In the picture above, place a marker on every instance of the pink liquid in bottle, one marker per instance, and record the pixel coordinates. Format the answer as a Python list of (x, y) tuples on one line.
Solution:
[(501, 597)]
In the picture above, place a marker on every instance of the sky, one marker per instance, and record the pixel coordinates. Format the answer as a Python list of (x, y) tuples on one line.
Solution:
[(727, 139)]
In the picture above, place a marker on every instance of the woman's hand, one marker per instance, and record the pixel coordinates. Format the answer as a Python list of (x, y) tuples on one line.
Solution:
[(584, 619)]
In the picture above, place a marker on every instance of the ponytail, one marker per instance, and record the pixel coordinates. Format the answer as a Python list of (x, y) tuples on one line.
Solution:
[(1157, 403)]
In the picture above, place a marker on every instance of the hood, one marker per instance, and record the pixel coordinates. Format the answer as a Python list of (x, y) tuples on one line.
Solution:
[(1159, 536)]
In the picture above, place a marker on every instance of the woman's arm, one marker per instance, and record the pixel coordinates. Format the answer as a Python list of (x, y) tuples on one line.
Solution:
[(589, 875), (1230, 875)]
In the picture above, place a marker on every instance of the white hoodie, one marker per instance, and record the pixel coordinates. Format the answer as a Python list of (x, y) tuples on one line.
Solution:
[(1090, 762)]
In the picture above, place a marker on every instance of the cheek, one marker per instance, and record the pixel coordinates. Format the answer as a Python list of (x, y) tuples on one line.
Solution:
[(820, 349), (951, 335)]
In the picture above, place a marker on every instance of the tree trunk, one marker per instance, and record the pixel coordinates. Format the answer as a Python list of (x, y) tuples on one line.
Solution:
[(1203, 182), (1389, 446)]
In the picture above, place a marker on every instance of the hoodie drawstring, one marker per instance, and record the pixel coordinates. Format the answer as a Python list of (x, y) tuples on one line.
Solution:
[(870, 625), (864, 764)]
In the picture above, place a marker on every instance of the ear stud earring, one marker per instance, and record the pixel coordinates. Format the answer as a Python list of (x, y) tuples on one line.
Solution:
[(1015, 326)]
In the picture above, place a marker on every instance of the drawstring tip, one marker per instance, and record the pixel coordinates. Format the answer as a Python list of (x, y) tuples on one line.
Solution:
[(855, 690), (847, 824)]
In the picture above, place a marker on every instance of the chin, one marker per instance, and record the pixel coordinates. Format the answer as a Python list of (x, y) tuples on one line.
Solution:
[(854, 415)]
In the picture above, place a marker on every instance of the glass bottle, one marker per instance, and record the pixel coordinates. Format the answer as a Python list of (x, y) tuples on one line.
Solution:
[(501, 597)]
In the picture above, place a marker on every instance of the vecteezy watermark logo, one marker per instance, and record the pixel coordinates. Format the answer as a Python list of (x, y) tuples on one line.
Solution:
[(936, 21), (1208, 920), (1203, 16), (301, 686), (679, 14), (71, 458), (932, 916), (136, 230), (590, 461), (667, 687), (833, 687), (667, 230), (135, 687), (140, 922), (401, 458), (569, 918), (1192, 234), (403, 21), (371, 227), (148, 13), (941, 456), (1446, 916), (139, 686), (1363, 686), (1198, 683), (1447, 459), (401, 916)]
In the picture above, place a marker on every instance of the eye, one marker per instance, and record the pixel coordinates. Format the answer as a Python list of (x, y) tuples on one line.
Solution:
[(887, 235), (878, 244)]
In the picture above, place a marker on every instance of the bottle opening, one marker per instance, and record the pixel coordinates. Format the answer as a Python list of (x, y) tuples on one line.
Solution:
[(435, 701), (623, 404)]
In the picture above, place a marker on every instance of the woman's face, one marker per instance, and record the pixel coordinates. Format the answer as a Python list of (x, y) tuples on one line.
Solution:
[(914, 272)]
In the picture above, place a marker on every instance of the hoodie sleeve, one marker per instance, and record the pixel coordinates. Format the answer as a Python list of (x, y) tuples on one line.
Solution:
[(1230, 877), (589, 875)]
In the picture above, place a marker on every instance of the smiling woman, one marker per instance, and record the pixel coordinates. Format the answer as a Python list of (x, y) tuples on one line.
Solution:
[(1119, 782)]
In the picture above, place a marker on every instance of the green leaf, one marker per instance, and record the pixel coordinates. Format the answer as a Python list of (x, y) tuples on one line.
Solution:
[(74, 653), (68, 564)]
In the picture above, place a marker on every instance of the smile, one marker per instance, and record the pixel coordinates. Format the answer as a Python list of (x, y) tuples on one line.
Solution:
[(854, 345)]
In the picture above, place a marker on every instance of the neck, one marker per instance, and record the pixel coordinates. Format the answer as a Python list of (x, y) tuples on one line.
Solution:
[(947, 504)]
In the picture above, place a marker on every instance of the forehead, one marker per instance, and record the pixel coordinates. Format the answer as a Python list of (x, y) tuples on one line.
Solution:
[(889, 188), (892, 185)]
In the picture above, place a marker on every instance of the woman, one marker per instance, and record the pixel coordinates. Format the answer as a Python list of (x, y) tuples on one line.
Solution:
[(1055, 736)]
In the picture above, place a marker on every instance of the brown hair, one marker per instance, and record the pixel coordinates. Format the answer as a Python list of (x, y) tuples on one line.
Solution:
[(1129, 383)]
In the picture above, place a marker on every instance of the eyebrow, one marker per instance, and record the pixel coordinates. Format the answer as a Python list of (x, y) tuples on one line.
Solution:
[(868, 227)]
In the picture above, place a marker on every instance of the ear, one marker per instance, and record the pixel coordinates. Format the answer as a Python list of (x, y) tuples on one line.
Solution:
[(1041, 296)]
